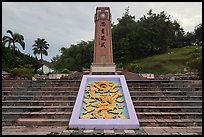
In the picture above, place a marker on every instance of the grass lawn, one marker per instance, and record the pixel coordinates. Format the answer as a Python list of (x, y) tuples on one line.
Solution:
[(167, 63)]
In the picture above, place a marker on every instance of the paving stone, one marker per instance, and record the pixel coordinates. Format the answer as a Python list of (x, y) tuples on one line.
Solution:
[(140, 131), (77, 132), (98, 132), (119, 132), (88, 132), (129, 132), (108, 132), (25, 133), (185, 133), (67, 132), (194, 130), (174, 130), (154, 130), (165, 134), (152, 133)]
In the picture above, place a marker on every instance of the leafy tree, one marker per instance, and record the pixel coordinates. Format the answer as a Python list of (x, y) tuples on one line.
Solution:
[(195, 37), (121, 35), (75, 57), (14, 58), (198, 34), (189, 39), (13, 39), (151, 34)]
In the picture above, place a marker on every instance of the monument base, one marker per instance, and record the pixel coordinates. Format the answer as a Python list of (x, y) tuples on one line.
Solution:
[(103, 68)]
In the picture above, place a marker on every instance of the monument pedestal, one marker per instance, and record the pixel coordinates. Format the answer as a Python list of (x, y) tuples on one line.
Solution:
[(103, 68)]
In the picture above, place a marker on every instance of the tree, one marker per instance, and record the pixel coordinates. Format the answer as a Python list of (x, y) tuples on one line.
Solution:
[(15, 38), (123, 41), (189, 39), (40, 47), (198, 34), (195, 37), (14, 59), (75, 57)]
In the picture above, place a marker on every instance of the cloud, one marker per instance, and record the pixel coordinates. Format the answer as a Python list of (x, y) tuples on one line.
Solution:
[(66, 23)]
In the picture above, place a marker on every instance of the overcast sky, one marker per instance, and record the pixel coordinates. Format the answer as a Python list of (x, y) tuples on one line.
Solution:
[(65, 23)]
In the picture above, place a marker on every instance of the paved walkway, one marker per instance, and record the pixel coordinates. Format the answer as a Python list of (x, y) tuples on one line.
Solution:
[(47, 130)]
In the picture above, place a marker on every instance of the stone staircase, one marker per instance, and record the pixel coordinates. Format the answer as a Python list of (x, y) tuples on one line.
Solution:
[(50, 102)]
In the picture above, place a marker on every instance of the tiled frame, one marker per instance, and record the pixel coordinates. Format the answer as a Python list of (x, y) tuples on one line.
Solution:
[(130, 123)]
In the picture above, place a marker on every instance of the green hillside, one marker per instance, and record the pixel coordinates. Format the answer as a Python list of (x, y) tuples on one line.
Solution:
[(172, 62)]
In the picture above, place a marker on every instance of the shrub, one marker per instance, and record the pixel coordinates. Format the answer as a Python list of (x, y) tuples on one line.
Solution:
[(22, 71), (135, 68)]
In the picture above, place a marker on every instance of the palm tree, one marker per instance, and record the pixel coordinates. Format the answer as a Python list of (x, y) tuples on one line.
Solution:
[(15, 38), (40, 47)]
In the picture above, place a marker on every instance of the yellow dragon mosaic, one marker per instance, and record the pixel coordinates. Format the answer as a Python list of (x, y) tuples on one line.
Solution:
[(102, 106)]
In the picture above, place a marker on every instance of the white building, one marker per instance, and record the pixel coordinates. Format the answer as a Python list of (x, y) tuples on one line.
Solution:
[(46, 69)]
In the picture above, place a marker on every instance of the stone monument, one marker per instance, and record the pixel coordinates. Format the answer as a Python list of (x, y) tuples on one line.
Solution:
[(103, 54), (103, 101)]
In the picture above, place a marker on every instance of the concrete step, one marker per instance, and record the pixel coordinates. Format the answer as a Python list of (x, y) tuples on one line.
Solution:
[(129, 82), (29, 122), (170, 122), (40, 88), (169, 115), (15, 83), (166, 93), (160, 81), (168, 109), (8, 122), (173, 130), (163, 97), (27, 82), (36, 108), (42, 130), (38, 97), (62, 83), (138, 93), (62, 114), (42, 122), (168, 103), (72, 102), (163, 89), (46, 95), (140, 115), (32, 93), (137, 108), (38, 103)]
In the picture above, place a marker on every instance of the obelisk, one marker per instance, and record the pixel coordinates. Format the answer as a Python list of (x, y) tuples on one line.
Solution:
[(103, 53)]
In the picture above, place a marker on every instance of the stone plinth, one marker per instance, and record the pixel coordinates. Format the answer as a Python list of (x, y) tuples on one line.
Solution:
[(103, 68)]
